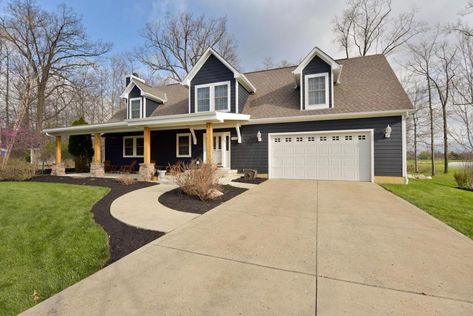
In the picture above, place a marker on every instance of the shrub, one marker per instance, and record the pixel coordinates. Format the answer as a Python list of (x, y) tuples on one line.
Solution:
[(17, 170), (80, 146), (176, 169), (126, 179), (199, 179), (464, 178)]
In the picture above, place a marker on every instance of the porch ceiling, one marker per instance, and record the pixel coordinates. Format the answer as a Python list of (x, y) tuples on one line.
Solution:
[(194, 120)]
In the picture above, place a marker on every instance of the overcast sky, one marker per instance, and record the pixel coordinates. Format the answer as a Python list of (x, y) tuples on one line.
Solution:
[(280, 29)]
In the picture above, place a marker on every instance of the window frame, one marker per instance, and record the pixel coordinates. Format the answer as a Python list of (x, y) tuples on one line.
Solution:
[(189, 136), (130, 101), (325, 105), (211, 87), (134, 155)]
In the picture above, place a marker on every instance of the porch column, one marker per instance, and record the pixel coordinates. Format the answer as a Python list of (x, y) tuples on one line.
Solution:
[(96, 167), (58, 168), (209, 143), (147, 145), (147, 169)]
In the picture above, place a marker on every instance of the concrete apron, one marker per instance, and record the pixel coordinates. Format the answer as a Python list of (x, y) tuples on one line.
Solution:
[(277, 247)]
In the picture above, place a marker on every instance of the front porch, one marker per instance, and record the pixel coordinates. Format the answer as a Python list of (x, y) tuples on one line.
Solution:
[(150, 145)]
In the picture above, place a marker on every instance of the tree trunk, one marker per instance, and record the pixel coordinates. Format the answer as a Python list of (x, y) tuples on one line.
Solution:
[(445, 139), (40, 106), (7, 90), (432, 139), (416, 162)]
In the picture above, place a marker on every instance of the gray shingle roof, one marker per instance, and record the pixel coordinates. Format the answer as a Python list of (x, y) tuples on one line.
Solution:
[(367, 84)]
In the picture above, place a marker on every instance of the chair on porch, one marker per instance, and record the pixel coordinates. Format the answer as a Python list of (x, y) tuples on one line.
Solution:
[(130, 168)]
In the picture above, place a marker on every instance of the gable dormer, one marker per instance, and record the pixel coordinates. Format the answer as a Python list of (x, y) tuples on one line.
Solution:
[(215, 85), (141, 99), (315, 76)]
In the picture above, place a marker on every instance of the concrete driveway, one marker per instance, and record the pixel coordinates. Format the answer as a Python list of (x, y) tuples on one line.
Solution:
[(290, 248)]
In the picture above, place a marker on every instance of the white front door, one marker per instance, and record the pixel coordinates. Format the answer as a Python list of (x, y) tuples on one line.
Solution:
[(341, 155), (221, 149)]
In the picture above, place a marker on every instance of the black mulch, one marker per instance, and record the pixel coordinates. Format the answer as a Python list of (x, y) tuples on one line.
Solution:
[(123, 239), (251, 181), (179, 201)]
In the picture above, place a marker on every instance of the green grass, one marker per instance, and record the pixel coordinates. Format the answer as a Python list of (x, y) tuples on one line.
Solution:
[(48, 240), (440, 198)]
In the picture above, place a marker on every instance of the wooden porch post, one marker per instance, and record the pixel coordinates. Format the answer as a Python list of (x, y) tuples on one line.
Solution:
[(209, 143), (97, 148), (147, 145), (58, 150)]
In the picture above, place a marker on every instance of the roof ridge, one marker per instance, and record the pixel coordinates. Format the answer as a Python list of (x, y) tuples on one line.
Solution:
[(357, 57), (270, 69)]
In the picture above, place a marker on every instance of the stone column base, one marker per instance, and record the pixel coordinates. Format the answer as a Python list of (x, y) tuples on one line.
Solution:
[(146, 172), (97, 170), (58, 170)]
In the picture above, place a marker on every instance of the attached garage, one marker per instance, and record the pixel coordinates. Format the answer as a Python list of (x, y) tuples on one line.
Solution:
[(334, 155)]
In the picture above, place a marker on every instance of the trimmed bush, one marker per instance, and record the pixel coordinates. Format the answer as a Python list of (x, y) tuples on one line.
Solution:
[(464, 178), (17, 170), (200, 180), (80, 146)]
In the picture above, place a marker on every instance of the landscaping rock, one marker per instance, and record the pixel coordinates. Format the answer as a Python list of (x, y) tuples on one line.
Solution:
[(250, 174), (214, 193)]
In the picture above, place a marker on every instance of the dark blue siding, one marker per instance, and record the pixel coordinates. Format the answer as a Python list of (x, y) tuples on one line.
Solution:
[(316, 66), (387, 152), (150, 107), (253, 154), (213, 71), (242, 97)]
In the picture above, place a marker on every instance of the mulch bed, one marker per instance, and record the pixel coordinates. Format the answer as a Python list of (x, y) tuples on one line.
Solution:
[(251, 181), (123, 239), (179, 201)]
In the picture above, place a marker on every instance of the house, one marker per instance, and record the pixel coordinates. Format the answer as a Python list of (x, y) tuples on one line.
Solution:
[(322, 119)]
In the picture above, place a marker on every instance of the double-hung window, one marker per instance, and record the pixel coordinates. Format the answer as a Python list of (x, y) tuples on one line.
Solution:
[(316, 91), (183, 145), (133, 146), (212, 97), (134, 108)]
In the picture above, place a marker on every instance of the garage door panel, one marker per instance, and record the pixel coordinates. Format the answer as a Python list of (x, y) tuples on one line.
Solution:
[(323, 156)]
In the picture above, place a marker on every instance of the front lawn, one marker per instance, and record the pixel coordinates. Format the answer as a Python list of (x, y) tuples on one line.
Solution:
[(440, 198), (48, 240)]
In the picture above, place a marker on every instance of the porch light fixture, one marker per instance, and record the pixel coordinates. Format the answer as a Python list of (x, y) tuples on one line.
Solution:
[(258, 136), (387, 132)]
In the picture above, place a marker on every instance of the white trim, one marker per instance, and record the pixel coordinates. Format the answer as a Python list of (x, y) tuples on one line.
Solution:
[(325, 117), (325, 105), (236, 96), (144, 107), (134, 147), (211, 87), (189, 100), (369, 130), (132, 84), (188, 135), (404, 149), (194, 138), (153, 97), (336, 67), (130, 101), (236, 74), (237, 127)]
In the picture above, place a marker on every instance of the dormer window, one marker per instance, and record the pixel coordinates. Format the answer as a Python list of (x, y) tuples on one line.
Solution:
[(316, 91), (135, 108), (213, 97)]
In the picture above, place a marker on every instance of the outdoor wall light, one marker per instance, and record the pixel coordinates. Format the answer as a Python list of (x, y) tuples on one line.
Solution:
[(258, 136), (387, 132)]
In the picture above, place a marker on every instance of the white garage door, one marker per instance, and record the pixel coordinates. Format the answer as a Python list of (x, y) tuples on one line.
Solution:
[(321, 156)]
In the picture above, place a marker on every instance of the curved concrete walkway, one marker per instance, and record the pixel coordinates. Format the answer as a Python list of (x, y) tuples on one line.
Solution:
[(141, 209)]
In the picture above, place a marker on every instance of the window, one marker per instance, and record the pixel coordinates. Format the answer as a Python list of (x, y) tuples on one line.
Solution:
[(311, 138), (213, 97), (277, 140), (288, 140), (183, 145), (348, 137), (335, 138), (323, 138), (135, 108), (361, 137), (133, 146), (316, 91), (299, 139)]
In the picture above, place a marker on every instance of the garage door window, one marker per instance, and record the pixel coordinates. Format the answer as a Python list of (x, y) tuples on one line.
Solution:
[(361, 137), (348, 137), (335, 138)]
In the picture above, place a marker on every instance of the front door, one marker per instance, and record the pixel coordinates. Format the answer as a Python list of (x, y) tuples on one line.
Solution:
[(221, 149)]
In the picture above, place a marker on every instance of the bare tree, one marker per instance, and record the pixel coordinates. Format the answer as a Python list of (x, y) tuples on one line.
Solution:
[(53, 44), (442, 79), (175, 45), (421, 64), (369, 26), (268, 63)]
